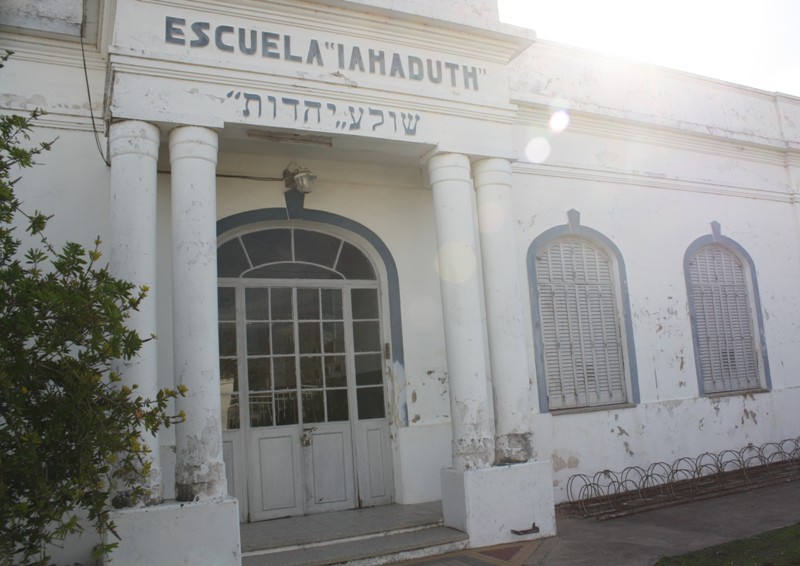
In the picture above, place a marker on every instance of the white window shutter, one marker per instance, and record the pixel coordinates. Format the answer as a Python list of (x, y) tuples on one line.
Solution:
[(723, 321), (580, 324)]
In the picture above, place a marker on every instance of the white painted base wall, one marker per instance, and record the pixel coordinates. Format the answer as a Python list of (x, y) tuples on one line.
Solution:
[(205, 532), (422, 453), (663, 432), (488, 503)]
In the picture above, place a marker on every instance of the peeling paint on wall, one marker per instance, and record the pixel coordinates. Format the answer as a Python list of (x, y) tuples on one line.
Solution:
[(628, 448), (560, 464)]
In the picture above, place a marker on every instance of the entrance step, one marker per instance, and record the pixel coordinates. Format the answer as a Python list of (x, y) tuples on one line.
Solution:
[(378, 535)]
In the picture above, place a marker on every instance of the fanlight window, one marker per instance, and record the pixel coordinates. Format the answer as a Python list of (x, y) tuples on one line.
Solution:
[(292, 253)]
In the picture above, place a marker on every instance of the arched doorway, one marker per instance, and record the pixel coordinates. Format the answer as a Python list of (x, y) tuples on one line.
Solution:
[(302, 369)]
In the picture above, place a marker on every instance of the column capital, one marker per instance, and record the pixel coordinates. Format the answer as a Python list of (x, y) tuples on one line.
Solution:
[(133, 137), (491, 171), (448, 167), (195, 142)]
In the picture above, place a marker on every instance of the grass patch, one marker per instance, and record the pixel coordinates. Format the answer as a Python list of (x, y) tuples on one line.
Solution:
[(774, 548)]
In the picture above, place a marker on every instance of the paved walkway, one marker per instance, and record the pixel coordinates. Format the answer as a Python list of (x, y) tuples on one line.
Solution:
[(642, 539)]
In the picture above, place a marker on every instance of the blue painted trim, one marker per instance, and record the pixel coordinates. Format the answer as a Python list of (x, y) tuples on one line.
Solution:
[(295, 203), (229, 223), (574, 229), (716, 239)]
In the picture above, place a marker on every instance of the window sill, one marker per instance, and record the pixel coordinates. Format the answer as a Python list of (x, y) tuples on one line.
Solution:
[(737, 393), (592, 409)]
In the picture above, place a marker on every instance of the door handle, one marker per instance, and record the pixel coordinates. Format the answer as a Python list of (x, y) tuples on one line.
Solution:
[(306, 439)]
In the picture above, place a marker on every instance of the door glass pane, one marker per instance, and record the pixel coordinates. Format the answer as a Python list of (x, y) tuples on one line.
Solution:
[(256, 304), (229, 392), (333, 337), (286, 408), (369, 370), (227, 338), (370, 402), (226, 302), (337, 405), (284, 372), (308, 304), (258, 374), (257, 338), (261, 409), (365, 304), (282, 338), (310, 371), (331, 304), (309, 338), (313, 407), (335, 371), (281, 303), (366, 336)]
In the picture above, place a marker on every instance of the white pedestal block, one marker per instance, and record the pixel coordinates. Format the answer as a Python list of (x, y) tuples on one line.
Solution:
[(203, 532), (488, 503)]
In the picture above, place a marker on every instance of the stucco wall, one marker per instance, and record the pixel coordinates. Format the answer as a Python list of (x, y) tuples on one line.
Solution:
[(650, 158)]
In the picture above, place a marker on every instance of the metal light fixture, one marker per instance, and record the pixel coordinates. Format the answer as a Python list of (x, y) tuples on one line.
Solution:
[(299, 178)]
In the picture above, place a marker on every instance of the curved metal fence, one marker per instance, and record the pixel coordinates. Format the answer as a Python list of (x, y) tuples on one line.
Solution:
[(609, 494)]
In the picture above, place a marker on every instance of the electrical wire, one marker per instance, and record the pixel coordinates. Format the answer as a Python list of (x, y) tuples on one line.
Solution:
[(89, 92)]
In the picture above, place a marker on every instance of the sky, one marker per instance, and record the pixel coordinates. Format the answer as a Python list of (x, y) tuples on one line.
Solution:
[(750, 42)]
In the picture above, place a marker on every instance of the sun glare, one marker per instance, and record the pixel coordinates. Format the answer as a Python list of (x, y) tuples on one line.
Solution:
[(740, 41), (559, 121)]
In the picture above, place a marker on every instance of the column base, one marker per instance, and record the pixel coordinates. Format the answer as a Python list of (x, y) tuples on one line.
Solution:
[(205, 532), (488, 503)]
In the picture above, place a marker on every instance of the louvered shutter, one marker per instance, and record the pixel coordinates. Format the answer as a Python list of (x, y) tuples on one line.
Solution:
[(580, 326), (723, 321)]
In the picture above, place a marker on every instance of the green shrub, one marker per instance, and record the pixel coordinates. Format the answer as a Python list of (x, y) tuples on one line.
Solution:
[(70, 433)]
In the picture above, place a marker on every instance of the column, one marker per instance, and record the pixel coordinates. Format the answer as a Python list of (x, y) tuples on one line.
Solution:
[(470, 405), (505, 320), (134, 153), (199, 469)]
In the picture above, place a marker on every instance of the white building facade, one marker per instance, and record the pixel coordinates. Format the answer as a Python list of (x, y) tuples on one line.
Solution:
[(518, 261)]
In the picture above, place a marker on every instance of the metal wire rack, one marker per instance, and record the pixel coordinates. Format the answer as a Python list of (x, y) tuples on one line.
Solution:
[(608, 494)]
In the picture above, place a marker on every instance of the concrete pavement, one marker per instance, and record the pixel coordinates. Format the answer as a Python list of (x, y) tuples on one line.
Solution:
[(642, 539)]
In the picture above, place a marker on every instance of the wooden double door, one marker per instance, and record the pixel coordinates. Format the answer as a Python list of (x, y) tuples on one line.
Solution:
[(303, 396)]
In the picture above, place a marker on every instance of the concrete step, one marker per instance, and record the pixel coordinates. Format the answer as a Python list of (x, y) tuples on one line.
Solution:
[(362, 550), (305, 530)]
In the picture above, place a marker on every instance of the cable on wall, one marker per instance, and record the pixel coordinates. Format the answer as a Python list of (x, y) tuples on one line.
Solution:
[(88, 90)]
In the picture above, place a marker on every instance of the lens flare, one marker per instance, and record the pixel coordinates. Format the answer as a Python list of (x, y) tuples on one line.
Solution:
[(537, 150), (559, 121)]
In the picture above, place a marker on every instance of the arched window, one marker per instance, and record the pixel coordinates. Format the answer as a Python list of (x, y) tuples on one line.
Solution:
[(581, 317), (292, 253), (730, 352)]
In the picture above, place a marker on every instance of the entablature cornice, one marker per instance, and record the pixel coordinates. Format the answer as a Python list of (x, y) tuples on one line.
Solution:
[(651, 182), (319, 86), (658, 132)]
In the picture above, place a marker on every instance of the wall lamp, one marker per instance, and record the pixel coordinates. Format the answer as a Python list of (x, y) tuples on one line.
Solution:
[(298, 178)]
